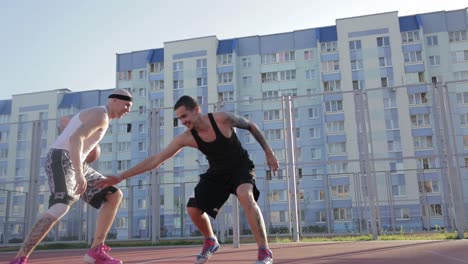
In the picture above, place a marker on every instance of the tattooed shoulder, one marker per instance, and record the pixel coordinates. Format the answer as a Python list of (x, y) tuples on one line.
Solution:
[(237, 121)]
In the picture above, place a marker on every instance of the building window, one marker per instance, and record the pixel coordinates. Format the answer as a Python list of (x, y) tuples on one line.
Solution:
[(287, 75), (156, 85), (340, 191), (423, 142), (384, 62), (462, 98), (270, 115), (178, 66), (224, 59), (246, 81), (463, 120), (225, 77), (435, 210), (332, 86), (337, 168), (394, 145), (383, 82), (460, 56), (354, 45), (357, 65), (310, 75), (278, 195), (269, 77), (335, 127), (123, 165), (313, 112), (318, 195), (383, 41), (202, 64), (415, 77), (410, 36), (142, 74), (278, 217), (269, 58), (425, 163), (420, 120), (402, 213), (270, 95), (392, 123), (330, 66), (432, 41), (157, 67), (341, 214), (178, 84), (226, 96), (314, 132), (121, 222), (315, 153), (434, 60), (125, 76), (273, 134), (334, 106), (418, 98), (358, 85), (246, 62), (456, 36), (337, 148), (308, 55), (327, 47), (413, 57), (202, 81), (460, 75)]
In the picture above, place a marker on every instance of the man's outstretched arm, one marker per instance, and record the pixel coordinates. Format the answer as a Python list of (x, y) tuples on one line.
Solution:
[(149, 163)]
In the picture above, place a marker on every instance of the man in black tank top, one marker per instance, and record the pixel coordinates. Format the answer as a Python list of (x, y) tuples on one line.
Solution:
[(230, 171)]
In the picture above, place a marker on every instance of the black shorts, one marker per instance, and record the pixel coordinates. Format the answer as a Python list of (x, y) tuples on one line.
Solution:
[(61, 174), (213, 190)]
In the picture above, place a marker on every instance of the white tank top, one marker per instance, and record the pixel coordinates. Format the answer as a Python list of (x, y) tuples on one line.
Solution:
[(63, 141)]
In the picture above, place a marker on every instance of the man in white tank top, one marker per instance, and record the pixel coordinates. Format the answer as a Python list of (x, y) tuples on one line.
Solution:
[(71, 178)]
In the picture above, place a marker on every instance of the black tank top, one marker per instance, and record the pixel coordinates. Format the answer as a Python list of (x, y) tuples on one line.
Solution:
[(223, 154)]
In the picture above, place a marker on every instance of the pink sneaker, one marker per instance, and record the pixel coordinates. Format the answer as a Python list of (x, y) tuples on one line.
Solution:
[(265, 256), (20, 260), (100, 255)]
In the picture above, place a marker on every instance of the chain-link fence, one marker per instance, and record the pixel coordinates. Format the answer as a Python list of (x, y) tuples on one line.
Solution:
[(370, 161)]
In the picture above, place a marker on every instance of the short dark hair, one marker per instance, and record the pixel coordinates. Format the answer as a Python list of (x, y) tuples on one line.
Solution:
[(188, 101)]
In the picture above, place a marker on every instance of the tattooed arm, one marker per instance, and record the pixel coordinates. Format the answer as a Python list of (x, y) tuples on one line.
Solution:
[(240, 122)]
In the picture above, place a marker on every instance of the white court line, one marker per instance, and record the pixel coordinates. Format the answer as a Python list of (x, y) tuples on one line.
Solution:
[(446, 256), (166, 259)]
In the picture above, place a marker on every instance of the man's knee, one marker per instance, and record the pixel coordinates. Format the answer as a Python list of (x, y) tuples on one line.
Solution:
[(58, 210), (245, 191), (115, 197)]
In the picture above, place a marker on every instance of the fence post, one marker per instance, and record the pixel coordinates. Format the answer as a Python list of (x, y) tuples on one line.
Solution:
[(155, 177), (291, 161), (453, 171), (366, 167), (235, 222)]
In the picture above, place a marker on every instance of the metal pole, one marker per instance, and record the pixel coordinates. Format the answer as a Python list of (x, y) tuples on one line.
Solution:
[(155, 178), (34, 174), (235, 222), (366, 167), (453, 170), (291, 147), (130, 210), (7, 220)]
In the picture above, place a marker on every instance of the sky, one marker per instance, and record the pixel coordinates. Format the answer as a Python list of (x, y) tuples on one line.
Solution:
[(53, 44)]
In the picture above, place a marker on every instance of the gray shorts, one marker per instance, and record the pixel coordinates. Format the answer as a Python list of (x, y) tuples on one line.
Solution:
[(61, 175)]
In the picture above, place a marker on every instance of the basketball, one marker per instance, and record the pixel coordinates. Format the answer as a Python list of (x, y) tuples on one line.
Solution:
[(94, 154)]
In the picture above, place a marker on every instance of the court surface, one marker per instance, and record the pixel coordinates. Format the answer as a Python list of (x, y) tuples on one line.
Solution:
[(411, 252)]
